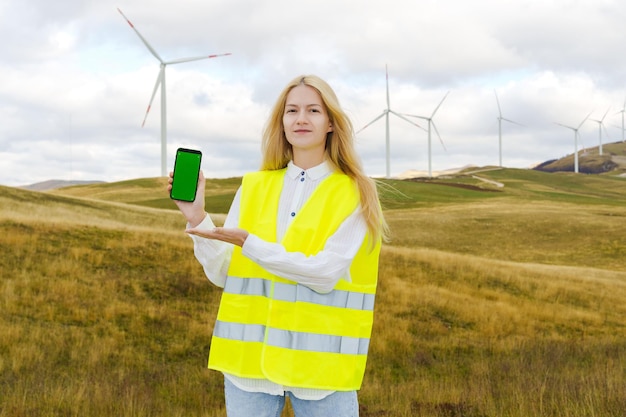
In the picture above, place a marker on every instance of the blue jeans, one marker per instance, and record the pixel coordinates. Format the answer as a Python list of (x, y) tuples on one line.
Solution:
[(256, 404)]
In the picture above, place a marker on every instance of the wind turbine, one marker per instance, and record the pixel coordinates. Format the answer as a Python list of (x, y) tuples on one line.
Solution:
[(500, 119), (600, 126), (385, 113), (160, 82), (431, 123), (575, 129), (622, 111)]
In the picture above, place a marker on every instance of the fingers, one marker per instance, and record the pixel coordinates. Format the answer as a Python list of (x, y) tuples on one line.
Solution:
[(170, 179), (200, 189), (201, 181), (230, 235), (206, 233)]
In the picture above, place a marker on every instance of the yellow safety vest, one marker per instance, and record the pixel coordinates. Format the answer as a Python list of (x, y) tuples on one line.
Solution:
[(272, 328)]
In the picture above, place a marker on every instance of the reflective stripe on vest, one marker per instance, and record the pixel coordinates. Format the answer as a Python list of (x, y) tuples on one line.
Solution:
[(292, 340), (293, 293)]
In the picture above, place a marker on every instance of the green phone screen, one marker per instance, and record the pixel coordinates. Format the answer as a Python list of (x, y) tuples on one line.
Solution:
[(186, 171)]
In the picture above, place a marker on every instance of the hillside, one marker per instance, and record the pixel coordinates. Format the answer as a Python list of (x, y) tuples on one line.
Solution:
[(503, 292), (151, 192), (54, 184), (532, 210), (613, 159), (472, 183)]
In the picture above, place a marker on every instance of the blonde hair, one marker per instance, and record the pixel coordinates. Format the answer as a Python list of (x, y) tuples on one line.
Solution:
[(340, 152)]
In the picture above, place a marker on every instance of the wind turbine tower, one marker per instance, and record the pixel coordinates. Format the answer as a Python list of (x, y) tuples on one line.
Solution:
[(385, 114), (575, 129), (600, 126), (500, 119), (160, 82), (431, 125)]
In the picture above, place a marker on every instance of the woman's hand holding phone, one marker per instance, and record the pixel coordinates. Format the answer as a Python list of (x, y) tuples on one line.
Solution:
[(193, 211)]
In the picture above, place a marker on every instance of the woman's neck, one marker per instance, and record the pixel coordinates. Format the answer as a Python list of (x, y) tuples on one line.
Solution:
[(306, 160)]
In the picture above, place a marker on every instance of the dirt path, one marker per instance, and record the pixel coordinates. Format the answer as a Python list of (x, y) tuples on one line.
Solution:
[(496, 183)]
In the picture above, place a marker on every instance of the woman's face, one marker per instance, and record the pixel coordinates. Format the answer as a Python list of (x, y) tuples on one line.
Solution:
[(306, 123)]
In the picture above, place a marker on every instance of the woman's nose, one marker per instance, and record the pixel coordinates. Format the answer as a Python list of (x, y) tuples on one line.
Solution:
[(301, 117)]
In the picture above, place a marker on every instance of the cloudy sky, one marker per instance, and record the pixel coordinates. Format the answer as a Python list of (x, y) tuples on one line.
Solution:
[(75, 80)]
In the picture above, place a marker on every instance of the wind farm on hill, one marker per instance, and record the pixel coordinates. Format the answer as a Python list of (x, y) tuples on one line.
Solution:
[(429, 120), (160, 83), (611, 163)]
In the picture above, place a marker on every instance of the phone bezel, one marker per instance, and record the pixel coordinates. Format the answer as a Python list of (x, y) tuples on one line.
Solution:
[(176, 161)]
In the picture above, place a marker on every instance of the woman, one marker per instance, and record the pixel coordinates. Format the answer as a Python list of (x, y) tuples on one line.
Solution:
[(298, 260)]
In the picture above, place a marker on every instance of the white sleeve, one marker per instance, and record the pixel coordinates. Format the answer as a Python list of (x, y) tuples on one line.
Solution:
[(215, 255), (320, 272)]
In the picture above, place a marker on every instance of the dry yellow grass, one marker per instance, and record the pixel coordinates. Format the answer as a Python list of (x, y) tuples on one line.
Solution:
[(472, 336), (105, 312), (544, 232)]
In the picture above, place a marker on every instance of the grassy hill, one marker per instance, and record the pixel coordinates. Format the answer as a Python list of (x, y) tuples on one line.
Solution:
[(502, 292), (151, 192), (590, 161), (529, 216)]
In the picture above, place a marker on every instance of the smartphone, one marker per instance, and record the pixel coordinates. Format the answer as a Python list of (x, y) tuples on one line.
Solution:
[(186, 172)]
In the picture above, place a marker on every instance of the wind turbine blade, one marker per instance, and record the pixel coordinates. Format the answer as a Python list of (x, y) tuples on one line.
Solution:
[(605, 131), (387, 83), (145, 42), (623, 109), (156, 87), (407, 120), (584, 120), (569, 127), (512, 121), (438, 135), (196, 58), (498, 101), (439, 105), (607, 112), (370, 123), (416, 116)]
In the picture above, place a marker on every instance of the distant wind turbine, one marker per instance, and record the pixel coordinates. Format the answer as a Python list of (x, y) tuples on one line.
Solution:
[(385, 113), (160, 82), (600, 126), (622, 111), (575, 129), (431, 123), (500, 119)]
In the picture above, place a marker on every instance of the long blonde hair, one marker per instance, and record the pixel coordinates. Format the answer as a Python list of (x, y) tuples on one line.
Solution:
[(340, 152)]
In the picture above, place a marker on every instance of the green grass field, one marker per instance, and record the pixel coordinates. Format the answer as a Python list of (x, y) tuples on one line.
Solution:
[(493, 300)]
